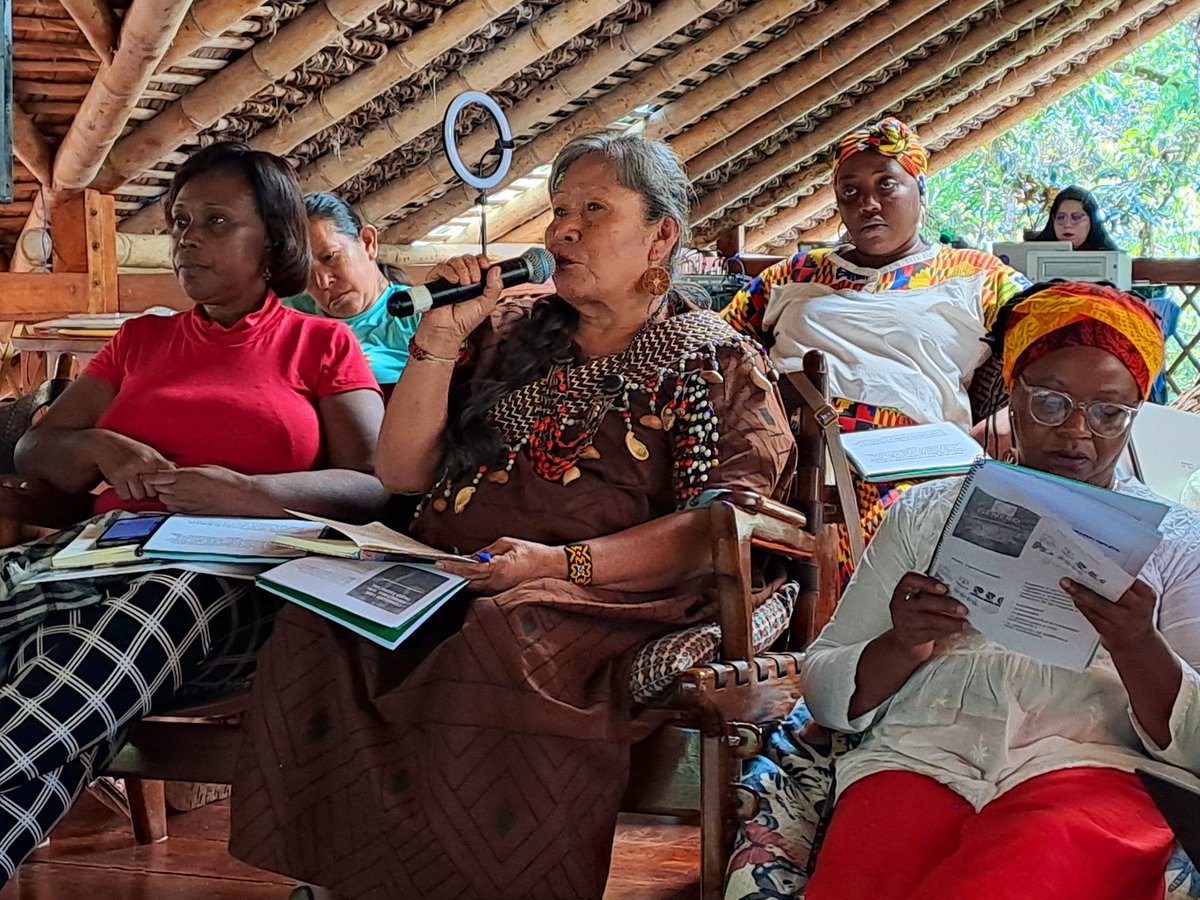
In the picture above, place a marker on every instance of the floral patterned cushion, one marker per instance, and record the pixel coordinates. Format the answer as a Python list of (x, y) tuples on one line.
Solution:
[(773, 852), (659, 663)]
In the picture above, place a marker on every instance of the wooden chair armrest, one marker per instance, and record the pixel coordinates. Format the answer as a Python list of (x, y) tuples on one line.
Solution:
[(760, 690), (735, 528), (31, 501)]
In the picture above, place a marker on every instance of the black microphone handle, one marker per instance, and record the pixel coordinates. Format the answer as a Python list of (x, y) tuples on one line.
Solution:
[(440, 292)]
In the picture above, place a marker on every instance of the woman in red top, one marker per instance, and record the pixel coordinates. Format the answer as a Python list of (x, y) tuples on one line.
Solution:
[(238, 407)]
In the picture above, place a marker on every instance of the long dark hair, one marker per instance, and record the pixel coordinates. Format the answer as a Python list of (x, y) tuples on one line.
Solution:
[(1097, 238), (277, 197), (324, 206), (544, 338)]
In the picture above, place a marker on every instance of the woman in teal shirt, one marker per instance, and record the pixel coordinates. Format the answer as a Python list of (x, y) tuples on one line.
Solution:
[(347, 282)]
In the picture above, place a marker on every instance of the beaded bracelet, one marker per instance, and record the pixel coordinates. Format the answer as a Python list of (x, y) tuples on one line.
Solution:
[(418, 353), (579, 563)]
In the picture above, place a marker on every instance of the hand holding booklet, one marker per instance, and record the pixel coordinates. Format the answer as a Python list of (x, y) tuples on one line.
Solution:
[(1014, 533)]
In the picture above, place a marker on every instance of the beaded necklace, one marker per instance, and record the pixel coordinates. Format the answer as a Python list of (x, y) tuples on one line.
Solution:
[(671, 363)]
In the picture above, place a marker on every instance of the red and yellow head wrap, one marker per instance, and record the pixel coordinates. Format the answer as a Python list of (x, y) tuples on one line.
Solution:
[(888, 137), (1079, 314)]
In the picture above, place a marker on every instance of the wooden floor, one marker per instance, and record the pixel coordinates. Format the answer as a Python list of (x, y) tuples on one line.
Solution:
[(92, 853)]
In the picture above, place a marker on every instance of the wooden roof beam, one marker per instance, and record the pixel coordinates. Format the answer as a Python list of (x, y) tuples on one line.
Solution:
[(264, 64), (98, 23), (621, 101), (667, 18), (1018, 80), (206, 20), (783, 100), (527, 206), (344, 97), (743, 75), (889, 94), (490, 69), (31, 147), (1016, 54), (147, 30)]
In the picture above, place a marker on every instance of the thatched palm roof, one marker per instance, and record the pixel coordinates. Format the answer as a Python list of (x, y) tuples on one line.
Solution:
[(752, 94)]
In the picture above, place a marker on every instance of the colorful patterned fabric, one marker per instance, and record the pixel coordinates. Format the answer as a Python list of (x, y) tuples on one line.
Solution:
[(745, 313), (887, 137), (1080, 314)]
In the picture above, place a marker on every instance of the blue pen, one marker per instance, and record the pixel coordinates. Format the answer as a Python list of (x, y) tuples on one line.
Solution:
[(483, 557)]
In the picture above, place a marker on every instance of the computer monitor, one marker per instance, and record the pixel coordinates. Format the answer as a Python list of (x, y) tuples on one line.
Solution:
[(1081, 265), (1016, 254)]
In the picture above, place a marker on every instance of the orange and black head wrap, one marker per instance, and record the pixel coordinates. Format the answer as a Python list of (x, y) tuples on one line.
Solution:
[(1049, 317), (887, 137)]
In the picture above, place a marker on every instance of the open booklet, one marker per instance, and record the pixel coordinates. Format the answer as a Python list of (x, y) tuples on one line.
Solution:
[(373, 541), (207, 539), (1015, 532), (911, 451), (383, 602)]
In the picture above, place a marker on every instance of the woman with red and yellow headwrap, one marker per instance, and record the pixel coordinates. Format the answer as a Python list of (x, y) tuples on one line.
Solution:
[(900, 319), (986, 773)]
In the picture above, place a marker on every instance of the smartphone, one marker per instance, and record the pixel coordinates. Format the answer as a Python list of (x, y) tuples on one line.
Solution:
[(131, 530)]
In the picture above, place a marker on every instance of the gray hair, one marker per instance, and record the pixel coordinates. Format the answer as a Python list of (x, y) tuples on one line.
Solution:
[(649, 167)]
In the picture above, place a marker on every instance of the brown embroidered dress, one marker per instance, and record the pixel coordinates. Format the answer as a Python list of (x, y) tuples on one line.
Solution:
[(486, 757)]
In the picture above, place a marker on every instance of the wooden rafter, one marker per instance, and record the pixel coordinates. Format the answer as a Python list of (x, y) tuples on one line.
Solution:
[(266, 63), (1014, 57), (516, 213), (674, 116), (528, 44), (1017, 82), (30, 145), (621, 101), (869, 106), (205, 21), (667, 19), (146, 32), (789, 97), (402, 61), (98, 23)]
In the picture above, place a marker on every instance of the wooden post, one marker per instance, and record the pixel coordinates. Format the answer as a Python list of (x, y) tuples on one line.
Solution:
[(101, 233), (66, 218)]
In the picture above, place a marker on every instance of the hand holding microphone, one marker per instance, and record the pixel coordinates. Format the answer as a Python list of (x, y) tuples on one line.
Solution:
[(462, 293)]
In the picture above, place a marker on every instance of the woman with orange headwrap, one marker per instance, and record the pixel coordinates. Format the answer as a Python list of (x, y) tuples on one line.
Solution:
[(900, 319), (983, 773)]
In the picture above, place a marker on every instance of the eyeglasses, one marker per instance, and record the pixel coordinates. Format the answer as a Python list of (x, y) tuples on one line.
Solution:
[(1053, 408), (1074, 218)]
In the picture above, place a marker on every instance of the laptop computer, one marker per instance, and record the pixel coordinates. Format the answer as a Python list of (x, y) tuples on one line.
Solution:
[(1179, 804), (1165, 449), (1016, 253)]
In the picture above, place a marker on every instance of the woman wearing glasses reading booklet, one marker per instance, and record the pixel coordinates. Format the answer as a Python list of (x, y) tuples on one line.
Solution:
[(982, 772)]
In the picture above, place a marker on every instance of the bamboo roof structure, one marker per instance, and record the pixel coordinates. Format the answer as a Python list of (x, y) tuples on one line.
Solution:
[(112, 95)]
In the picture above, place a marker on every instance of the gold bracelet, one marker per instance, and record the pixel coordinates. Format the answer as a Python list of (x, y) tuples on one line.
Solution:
[(418, 353), (579, 563)]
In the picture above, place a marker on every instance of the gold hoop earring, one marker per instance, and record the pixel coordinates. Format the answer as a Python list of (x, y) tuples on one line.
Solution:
[(656, 281)]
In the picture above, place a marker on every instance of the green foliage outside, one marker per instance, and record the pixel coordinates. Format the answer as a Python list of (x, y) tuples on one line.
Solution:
[(1131, 135)]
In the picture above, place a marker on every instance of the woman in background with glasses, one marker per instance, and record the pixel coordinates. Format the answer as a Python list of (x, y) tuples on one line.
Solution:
[(1075, 217), (985, 773)]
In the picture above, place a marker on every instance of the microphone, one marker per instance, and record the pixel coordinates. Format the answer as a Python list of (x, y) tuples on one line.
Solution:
[(534, 266)]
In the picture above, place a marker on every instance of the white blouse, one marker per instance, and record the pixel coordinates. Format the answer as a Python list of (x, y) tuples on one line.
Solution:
[(979, 718), (914, 349)]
